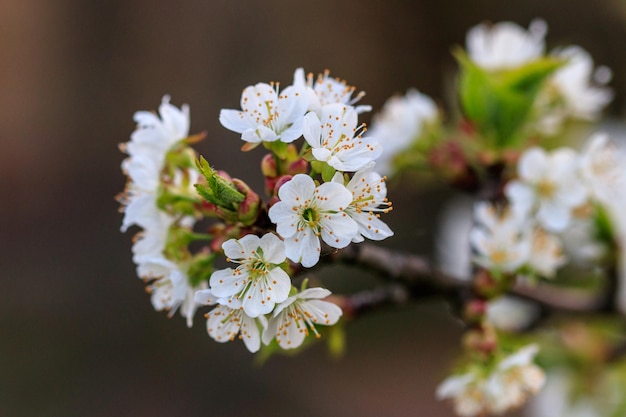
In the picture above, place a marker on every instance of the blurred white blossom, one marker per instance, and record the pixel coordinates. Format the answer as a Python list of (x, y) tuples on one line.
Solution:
[(505, 45), (550, 184), (401, 122), (507, 386)]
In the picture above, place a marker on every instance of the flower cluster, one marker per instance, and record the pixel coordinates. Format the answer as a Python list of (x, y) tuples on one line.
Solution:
[(552, 194), (505, 387), (327, 192)]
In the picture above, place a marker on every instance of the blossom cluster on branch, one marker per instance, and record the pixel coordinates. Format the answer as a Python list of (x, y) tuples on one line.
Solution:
[(547, 218), (324, 191)]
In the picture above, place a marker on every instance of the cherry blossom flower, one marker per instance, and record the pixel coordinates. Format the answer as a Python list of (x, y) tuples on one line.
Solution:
[(575, 91), (581, 88), (505, 45), (550, 184), (228, 321), (326, 90), (546, 253), (306, 212), (147, 148), (499, 239), (601, 168), (507, 386), (258, 281), (166, 282), (268, 115), (295, 317), (369, 199), (399, 124), (337, 140)]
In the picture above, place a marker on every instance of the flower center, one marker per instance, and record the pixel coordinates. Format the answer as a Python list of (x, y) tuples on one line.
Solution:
[(546, 189), (310, 216)]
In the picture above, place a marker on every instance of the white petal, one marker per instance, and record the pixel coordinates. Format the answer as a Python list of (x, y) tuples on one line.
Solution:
[(205, 297), (312, 130), (285, 218), (533, 164), (273, 248), (227, 282), (298, 189), (234, 120)]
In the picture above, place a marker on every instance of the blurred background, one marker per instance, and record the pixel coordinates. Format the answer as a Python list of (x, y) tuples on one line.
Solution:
[(78, 336)]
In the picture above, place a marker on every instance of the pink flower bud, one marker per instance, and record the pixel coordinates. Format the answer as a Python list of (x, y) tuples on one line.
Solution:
[(268, 166)]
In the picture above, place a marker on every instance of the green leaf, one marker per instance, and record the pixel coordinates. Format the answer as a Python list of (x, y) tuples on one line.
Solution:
[(220, 191), (499, 103)]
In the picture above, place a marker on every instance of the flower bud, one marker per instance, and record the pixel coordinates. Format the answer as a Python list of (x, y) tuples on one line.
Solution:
[(475, 310), (268, 166), (248, 209), (299, 166), (280, 182)]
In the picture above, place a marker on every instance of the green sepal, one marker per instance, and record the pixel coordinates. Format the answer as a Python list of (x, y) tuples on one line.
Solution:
[(180, 156), (319, 167), (499, 103), (173, 203), (316, 167), (279, 148), (328, 172)]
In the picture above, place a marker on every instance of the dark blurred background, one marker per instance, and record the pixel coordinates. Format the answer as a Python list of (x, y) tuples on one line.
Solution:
[(78, 336)]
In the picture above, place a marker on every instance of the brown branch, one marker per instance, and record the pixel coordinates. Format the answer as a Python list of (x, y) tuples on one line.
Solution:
[(421, 279)]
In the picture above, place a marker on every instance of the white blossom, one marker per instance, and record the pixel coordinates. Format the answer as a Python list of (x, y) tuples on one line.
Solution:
[(228, 321), (400, 123), (258, 282), (295, 317), (369, 199), (581, 89), (306, 212), (326, 90), (147, 149), (336, 139), (506, 387), (499, 239), (168, 285), (546, 253), (505, 45), (601, 168), (550, 184), (268, 115)]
